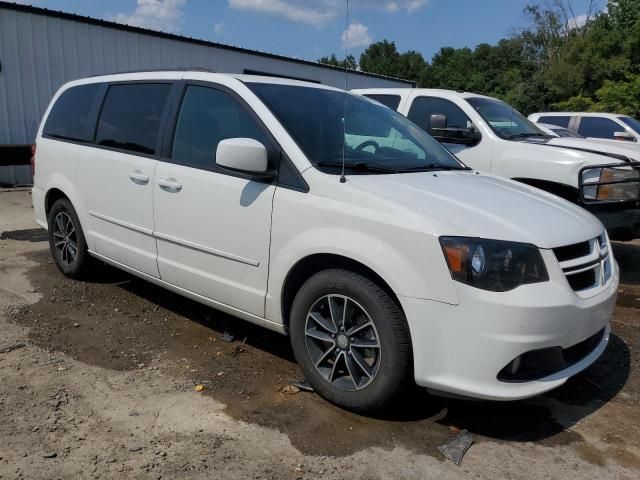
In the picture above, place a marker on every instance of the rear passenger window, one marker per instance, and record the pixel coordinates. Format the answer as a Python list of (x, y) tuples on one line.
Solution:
[(131, 115), (206, 117), (69, 115), (391, 101), (561, 121), (598, 127)]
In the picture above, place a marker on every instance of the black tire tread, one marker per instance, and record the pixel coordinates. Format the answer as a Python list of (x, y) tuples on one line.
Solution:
[(337, 278)]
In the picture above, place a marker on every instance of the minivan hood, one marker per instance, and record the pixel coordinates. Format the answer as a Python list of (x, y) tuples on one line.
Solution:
[(468, 203), (604, 146)]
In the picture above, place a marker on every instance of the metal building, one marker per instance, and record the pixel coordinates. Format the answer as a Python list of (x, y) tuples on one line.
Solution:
[(41, 49)]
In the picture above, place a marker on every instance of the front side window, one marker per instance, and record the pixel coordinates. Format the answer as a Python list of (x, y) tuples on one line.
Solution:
[(68, 117), (423, 108), (504, 120), (329, 125), (206, 117), (598, 127), (559, 120), (131, 115), (631, 123)]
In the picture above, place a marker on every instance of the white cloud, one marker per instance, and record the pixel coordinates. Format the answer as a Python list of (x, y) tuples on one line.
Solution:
[(303, 11), (578, 21), (165, 15), (320, 12), (218, 28), (357, 35)]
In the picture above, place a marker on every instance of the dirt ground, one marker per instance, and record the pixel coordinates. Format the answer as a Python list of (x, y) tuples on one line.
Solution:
[(104, 388)]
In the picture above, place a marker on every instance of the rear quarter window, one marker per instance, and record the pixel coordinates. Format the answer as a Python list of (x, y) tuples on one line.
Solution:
[(391, 101), (559, 120), (69, 115)]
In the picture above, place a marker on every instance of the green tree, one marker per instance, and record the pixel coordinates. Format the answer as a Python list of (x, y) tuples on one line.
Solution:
[(333, 61), (619, 97)]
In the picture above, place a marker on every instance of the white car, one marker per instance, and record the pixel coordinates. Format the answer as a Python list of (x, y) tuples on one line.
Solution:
[(492, 136), (603, 126), (567, 138), (229, 190)]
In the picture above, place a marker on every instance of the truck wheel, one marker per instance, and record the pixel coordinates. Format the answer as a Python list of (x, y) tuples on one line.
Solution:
[(66, 239), (351, 340)]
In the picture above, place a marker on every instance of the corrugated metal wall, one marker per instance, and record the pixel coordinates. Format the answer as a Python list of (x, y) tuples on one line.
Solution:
[(40, 52)]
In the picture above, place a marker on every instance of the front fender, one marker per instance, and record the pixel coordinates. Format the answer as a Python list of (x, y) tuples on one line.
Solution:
[(409, 261)]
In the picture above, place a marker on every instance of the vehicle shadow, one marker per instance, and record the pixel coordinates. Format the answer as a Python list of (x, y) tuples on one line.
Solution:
[(26, 235), (255, 336), (545, 418), (628, 257), (533, 419)]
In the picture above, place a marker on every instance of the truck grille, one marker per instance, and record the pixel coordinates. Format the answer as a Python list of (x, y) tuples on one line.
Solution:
[(587, 264)]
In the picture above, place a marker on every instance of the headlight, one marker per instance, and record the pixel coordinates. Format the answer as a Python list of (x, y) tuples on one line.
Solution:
[(615, 192), (493, 265)]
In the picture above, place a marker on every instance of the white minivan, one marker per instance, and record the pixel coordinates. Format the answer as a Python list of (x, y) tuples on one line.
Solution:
[(325, 216)]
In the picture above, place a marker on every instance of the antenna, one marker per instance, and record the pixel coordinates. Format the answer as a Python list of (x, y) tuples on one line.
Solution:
[(346, 84)]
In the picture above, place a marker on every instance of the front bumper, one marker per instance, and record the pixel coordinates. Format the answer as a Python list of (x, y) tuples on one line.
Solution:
[(461, 349)]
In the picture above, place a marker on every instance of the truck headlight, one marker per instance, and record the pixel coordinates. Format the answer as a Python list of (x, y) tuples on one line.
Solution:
[(493, 265), (615, 192)]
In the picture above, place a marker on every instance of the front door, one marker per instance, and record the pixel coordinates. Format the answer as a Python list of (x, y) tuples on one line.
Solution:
[(212, 226)]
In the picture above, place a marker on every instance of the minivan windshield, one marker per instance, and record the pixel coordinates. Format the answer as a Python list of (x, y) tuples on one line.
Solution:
[(506, 121), (327, 124)]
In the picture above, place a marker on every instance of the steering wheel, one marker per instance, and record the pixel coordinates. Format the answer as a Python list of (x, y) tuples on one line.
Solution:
[(368, 143)]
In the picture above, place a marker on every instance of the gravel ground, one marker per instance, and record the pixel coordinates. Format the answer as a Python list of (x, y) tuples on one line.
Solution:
[(104, 388)]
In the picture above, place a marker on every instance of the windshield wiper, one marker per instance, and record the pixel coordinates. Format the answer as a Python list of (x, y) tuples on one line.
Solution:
[(528, 135), (430, 167), (360, 167)]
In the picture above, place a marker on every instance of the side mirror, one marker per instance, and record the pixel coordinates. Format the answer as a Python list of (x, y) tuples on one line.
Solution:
[(244, 155), (624, 136), (438, 129), (437, 121)]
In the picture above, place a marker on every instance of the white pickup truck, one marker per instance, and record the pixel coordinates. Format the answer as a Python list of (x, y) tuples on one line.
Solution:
[(488, 134)]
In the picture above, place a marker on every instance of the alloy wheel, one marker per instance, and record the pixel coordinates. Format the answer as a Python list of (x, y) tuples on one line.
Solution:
[(65, 239), (342, 342)]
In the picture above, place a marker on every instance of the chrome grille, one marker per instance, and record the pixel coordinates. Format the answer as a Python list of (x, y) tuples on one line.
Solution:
[(586, 264)]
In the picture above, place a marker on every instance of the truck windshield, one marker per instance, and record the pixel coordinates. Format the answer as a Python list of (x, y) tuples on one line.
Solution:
[(374, 138), (506, 121), (632, 123)]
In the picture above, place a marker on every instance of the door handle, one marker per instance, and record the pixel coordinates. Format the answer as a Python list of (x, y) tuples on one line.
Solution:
[(170, 184), (138, 177)]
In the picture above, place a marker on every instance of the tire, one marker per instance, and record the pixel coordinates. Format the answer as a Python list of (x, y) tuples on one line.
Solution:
[(65, 237), (363, 379)]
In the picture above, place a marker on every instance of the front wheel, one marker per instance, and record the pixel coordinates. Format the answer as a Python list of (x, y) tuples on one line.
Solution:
[(351, 340)]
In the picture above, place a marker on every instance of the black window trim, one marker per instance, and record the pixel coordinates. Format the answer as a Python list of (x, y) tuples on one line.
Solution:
[(275, 152)]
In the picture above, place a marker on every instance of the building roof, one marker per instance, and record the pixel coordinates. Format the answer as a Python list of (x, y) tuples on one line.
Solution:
[(172, 36)]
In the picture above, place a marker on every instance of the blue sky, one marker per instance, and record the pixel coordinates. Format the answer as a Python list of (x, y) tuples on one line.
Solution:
[(310, 29)]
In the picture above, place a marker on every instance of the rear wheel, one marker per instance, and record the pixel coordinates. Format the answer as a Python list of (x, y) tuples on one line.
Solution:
[(351, 340), (66, 239)]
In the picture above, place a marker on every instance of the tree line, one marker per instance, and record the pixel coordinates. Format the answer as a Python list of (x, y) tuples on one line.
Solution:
[(560, 62)]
